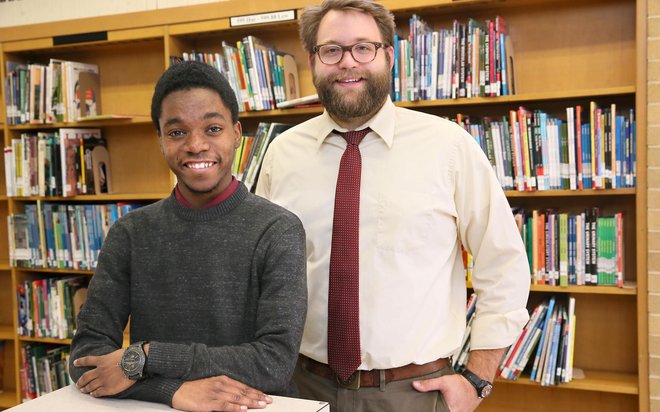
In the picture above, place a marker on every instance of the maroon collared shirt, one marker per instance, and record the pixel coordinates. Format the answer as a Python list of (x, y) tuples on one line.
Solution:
[(221, 197)]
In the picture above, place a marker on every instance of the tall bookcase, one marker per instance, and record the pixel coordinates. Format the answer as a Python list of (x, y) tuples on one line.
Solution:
[(567, 52)]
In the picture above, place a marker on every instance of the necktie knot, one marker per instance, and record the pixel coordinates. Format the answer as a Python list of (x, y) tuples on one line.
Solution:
[(354, 137)]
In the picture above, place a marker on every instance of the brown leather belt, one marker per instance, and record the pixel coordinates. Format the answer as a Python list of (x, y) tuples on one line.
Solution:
[(372, 377)]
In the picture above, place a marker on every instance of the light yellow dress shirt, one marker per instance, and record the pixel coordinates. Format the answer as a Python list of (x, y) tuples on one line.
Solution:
[(426, 187)]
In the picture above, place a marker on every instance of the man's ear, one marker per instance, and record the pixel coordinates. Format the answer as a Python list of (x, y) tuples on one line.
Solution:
[(238, 130), (311, 61), (390, 51)]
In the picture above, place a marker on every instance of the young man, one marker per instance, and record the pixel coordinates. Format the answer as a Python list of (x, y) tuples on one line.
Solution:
[(212, 277), (416, 186)]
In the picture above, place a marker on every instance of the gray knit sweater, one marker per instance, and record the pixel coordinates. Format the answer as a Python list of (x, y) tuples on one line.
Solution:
[(218, 291)]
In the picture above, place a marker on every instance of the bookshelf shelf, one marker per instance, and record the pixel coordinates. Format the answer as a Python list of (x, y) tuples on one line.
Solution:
[(527, 99), (52, 271), (572, 193), (6, 332), (627, 290), (7, 398), (101, 122), (593, 381), (532, 98), (110, 197), (55, 341), (303, 111)]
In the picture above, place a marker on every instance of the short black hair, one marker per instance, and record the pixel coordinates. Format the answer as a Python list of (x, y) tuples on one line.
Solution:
[(188, 75)]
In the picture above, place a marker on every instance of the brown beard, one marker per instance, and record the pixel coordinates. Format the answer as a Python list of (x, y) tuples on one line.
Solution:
[(369, 101)]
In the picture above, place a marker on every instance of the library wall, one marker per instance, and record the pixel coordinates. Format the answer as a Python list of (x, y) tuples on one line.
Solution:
[(653, 138), (21, 12)]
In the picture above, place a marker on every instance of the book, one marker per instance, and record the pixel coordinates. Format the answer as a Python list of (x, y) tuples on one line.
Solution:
[(76, 101), (89, 94), (515, 352), (460, 358), (274, 129), (10, 171), (92, 140), (101, 168), (543, 338), (305, 100), (607, 261), (70, 143), (55, 108)]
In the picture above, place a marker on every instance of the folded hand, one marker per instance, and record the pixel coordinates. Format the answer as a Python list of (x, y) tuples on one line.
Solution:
[(218, 393)]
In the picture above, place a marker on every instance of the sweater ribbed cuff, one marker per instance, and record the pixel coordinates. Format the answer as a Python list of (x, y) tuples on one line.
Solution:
[(159, 390), (169, 360)]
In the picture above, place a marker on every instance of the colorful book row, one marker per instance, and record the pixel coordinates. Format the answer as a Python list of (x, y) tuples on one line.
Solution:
[(47, 308), (44, 368), (248, 157), (545, 347), (66, 162), (532, 150), (260, 75), (64, 236), (60, 91), (564, 249), (472, 59)]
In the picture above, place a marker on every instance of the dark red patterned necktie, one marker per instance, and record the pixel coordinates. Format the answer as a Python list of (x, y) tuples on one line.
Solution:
[(343, 294)]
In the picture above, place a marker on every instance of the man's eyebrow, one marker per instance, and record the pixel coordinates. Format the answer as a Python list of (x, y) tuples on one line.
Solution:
[(171, 121), (209, 115), (338, 43)]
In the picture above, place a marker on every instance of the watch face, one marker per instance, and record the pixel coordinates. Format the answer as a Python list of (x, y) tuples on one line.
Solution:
[(486, 390), (130, 362)]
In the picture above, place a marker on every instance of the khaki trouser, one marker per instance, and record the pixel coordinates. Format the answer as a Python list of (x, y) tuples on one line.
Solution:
[(398, 396)]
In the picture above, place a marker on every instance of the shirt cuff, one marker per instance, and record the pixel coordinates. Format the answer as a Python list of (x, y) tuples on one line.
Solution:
[(497, 331)]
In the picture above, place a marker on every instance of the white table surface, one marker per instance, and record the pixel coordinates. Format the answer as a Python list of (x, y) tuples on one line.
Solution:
[(70, 399)]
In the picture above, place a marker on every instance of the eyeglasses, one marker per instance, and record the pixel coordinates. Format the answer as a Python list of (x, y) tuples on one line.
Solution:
[(363, 52)]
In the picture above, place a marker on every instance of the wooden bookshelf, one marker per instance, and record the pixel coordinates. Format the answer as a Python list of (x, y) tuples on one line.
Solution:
[(561, 50), (7, 398), (593, 381), (6, 332)]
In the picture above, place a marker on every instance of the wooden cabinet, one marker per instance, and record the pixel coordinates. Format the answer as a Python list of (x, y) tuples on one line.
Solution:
[(567, 52)]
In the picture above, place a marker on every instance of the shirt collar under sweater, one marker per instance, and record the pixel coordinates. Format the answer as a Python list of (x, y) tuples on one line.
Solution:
[(220, 198), (219, 210)]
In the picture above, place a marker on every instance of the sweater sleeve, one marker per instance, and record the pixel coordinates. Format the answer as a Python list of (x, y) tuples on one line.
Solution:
[(104, 316), (267, 362)]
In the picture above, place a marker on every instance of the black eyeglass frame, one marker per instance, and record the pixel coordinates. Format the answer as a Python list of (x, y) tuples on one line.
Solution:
[(349, 49)]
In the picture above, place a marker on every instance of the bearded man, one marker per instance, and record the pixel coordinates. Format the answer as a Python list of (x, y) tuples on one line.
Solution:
[(387, 197)]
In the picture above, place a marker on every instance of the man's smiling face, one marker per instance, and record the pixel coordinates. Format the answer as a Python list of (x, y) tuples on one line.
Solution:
[(198, 140)]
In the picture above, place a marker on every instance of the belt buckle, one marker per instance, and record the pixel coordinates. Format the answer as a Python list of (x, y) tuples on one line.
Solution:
[(353, 382)]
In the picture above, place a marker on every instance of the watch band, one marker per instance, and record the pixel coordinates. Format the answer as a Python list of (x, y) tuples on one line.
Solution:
[(482, 386)]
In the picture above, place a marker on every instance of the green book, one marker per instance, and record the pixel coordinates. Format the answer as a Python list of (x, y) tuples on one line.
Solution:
[(606, 257)]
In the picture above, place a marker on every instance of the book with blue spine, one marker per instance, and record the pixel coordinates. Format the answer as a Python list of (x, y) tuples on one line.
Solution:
[(539, 348)]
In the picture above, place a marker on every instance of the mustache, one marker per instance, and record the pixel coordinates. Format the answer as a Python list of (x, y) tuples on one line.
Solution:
[(353, 74)]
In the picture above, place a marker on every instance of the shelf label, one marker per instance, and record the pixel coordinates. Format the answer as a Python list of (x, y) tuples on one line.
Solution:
[(248, 19)]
